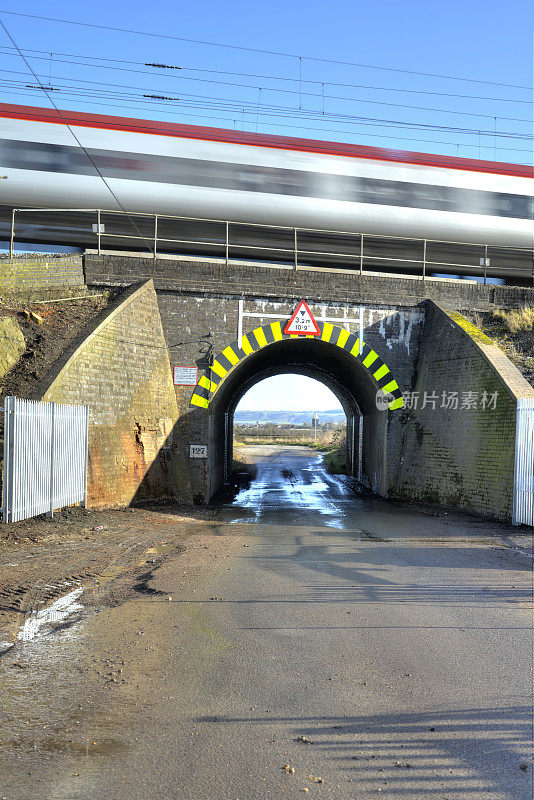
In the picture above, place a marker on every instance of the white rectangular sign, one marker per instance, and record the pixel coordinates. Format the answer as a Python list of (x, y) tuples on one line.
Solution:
[(185, 376), (198, 451)]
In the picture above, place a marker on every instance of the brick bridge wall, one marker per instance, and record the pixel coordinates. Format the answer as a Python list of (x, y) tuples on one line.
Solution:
[(461, 456), (42, 277), (199, 311), (206, 275), (120, 368)]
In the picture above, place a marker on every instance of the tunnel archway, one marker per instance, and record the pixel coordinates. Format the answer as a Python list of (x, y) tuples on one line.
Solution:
[(354, 373)]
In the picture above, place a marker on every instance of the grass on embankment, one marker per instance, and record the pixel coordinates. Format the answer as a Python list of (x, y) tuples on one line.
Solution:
[(513, 331)]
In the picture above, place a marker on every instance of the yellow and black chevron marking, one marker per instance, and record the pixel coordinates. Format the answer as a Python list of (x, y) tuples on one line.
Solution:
[(261, 337)]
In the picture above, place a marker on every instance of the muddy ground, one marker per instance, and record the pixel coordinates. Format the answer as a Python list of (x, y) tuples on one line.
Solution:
[(112, 553)]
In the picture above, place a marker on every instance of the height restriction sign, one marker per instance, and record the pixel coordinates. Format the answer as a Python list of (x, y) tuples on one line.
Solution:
[(302, 322)]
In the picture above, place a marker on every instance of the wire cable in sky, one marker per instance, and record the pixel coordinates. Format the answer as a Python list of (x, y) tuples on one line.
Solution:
[(258, 50), (186, 68), (255, 105), (299, 93)]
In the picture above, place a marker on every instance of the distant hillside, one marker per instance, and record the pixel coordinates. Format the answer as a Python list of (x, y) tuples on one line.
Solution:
[(285, 417)]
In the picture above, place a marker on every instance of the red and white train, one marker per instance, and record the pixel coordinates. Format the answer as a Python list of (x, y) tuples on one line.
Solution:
[(167, 168)]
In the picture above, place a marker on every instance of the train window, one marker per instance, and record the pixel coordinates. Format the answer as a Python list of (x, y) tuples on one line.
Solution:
[(34, 155), (332, 187), (382, 192), (439, 198), (512, 205), (290, 182)]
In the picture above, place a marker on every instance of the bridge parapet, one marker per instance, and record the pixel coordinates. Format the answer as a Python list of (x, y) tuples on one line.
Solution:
[(186, 274)]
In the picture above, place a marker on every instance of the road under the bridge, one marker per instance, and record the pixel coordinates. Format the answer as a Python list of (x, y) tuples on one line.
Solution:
[(309, 641)]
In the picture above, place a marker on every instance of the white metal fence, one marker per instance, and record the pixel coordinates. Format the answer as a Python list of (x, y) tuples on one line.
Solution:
[(524, 464), (45, 457)]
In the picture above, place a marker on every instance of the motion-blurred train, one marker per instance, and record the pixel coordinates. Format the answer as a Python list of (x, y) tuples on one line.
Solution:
[(168, 168)]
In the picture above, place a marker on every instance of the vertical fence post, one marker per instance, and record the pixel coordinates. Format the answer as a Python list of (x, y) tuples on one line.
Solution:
[(4, 475), (353, 445), (485, 264), (11, 241), (86, 455), (360, 448), (227, 241), (50, 513), (360, 336), (98, 231), (361, 255), (240, 304), (424, 259), (155, 235), (7, 459)]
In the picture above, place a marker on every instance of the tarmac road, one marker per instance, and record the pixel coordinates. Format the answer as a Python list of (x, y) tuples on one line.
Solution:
[(375, 650)]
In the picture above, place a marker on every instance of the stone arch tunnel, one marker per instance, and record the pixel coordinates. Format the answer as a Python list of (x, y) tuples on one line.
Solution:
[(363, 383)]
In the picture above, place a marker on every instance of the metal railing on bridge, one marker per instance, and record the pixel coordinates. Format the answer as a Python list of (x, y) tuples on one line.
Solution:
[(296, 246)]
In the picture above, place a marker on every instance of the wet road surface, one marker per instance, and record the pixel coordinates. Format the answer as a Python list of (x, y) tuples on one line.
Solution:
[(292, 486), (309, 640)]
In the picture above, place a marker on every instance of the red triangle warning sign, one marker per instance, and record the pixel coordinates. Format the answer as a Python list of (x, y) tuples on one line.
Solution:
[(302, 322)]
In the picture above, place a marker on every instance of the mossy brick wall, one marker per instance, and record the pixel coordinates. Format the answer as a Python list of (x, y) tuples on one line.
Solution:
[(121, 370), (42, 277), (12, 344), (461, 457)]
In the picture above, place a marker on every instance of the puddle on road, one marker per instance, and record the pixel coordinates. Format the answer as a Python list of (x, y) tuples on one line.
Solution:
[(63, 611), (281, 489)]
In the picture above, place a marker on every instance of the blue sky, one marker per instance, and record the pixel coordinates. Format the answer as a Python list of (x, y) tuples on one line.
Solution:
[(473, 61), (290, 393)]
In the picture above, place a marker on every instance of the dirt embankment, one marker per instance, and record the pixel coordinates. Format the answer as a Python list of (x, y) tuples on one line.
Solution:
[(513, 331), (48, 331)]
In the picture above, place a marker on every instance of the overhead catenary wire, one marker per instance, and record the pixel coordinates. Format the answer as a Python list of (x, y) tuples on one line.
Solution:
[(300, 95), (275, 114), (75, 137), (244, 48), (209, 99), (186, 68)]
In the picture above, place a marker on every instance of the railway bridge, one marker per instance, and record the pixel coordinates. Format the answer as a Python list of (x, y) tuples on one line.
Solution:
[(432, 405)]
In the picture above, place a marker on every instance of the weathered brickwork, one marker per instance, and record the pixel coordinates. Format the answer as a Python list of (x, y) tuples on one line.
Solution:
[(121, 370), (253, 280), (460, 457), (42, 277), (12, 344), (198, 327)]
